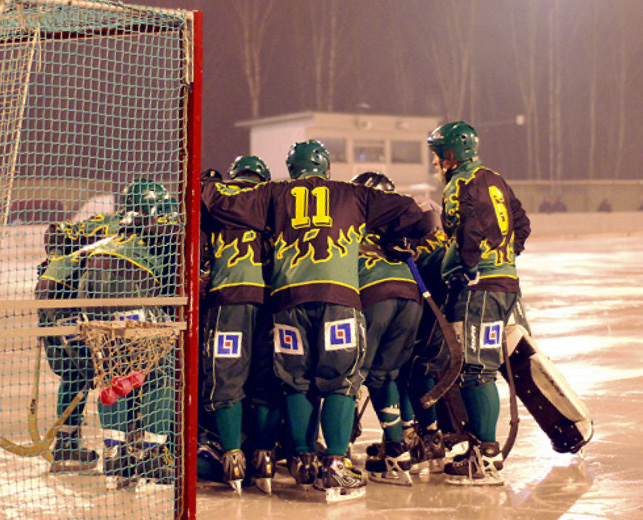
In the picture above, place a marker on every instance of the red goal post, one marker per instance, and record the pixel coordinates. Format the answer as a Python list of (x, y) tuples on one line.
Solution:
[(96, 96)]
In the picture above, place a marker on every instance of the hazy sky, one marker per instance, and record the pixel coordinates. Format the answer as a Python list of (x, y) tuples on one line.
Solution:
[(570, 66)]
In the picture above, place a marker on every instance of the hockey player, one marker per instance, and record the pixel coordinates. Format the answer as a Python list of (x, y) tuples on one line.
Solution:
[(487, 227), (139, 262), (392, 309), (237, 350), (317, 225), (68, 245)]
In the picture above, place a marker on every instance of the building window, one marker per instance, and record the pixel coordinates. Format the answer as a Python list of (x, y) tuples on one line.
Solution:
[(408, 152), (336, 147), (369, 151)]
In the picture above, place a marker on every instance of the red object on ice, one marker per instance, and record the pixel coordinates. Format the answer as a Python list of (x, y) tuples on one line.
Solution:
[(122, 386), (108, 396), (136, 378)]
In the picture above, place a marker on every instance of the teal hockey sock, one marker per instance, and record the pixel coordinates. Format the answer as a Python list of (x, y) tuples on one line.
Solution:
[(482, 403), (302, 416), (386, 402), (337, 417), (228, 421)]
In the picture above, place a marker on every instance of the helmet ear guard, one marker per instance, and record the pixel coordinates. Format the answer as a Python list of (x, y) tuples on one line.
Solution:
[(374, 179), (459, 137), (308, 158)]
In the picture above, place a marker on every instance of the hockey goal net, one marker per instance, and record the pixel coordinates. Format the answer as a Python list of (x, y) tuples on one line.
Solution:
[(99, 173)]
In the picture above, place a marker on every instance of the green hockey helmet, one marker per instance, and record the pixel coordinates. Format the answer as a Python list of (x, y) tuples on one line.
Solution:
[(459, 137), (374, 179), (249, 164), (308, 158), (143, 197)]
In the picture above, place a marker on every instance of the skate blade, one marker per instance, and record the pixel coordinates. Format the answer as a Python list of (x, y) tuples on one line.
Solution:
[(236, 486), (119, 483), (393, 478), (264, 484), (436, 465), (421, 468), (339, 494), (488, 480)]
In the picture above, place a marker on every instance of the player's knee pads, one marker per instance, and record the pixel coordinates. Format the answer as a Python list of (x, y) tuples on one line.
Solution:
[(546, 393)]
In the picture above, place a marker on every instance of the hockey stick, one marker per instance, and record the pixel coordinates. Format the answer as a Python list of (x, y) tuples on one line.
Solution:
[(37, 448), (32, 418), (450, 337), (513, 404)]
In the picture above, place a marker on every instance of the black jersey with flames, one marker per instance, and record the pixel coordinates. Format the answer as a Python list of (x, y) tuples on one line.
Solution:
[(317, 226), (236, 260)]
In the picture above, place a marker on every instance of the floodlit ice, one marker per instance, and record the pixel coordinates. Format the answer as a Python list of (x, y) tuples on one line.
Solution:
[(584, 301)]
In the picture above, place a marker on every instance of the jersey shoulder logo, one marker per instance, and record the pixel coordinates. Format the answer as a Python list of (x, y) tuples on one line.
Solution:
[(288, 340), (227, 344), (340, 335)]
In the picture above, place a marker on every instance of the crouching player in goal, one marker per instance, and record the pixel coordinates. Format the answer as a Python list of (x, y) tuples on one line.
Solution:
[(127, 254)]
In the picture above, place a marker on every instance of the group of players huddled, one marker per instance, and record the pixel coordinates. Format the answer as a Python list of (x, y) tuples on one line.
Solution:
[(307, 294)]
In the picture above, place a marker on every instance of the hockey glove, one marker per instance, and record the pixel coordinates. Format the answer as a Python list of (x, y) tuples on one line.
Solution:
[(463, 278), (399, 250)]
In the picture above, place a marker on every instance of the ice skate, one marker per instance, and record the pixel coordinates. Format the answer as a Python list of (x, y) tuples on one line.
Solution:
[(263, 465), (480, 466), (69, 454), (391, 467), (234, 469), (119, 463), (339, 480), (304, 467), (428, 452), (156, 462)]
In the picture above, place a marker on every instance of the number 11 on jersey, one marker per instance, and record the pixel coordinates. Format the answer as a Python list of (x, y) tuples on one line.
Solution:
[(321, 216)]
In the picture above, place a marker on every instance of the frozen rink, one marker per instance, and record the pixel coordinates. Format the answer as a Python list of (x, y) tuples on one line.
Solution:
[(584, 301)]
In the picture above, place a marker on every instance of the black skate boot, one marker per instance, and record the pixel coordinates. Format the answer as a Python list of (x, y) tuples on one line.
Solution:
[(157, 463), (304, 467), (209, 457), (428, 452), (69, 454), (234, 469), (120, 461), (391, 467), (339, 479), (263, 466), (480, 466)]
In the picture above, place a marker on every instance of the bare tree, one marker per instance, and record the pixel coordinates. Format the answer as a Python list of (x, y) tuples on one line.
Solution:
[(254, 20), (526, 49), (449, 46)]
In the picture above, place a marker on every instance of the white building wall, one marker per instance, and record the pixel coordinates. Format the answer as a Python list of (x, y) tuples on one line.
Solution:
[(270, 138)]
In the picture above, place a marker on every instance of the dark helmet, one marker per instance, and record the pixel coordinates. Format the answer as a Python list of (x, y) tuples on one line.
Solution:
[(308, 158), (374, 180), (459, 137), (145, 197), (249, 164), (211, 175)]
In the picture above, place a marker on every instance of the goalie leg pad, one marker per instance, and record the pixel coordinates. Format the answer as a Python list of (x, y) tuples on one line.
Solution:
[(546, 394)]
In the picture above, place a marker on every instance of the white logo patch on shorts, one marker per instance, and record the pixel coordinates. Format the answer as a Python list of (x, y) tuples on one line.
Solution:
[(491, 335), (227, 344), (288, 340), (340, 335)]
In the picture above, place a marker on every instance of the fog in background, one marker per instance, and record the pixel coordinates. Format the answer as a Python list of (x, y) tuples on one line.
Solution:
[(571, 68)]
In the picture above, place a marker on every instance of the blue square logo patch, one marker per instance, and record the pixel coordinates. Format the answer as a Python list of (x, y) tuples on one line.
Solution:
[(491, 335), (340, 335), (227, 344), (288, 340)]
